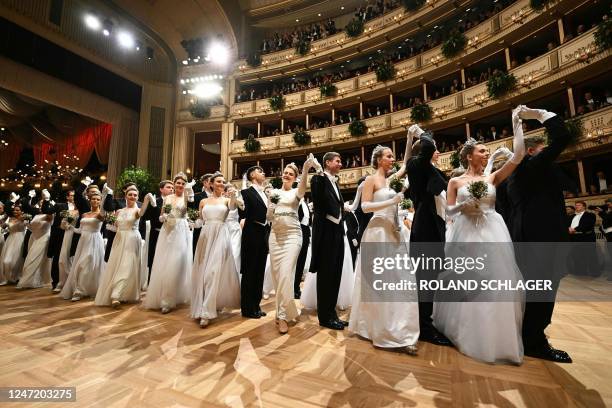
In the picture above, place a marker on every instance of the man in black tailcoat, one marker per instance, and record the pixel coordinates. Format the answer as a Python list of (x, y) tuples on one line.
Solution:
[(254, 245), (195, 204), (538, 216), (305, 222), (327, 240)]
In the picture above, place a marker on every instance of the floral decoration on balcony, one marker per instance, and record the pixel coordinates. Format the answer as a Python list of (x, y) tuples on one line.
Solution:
[(302, 47), (252, 145), (412, 5), (603, 34), (385, 71), (354, 28), (575, 129), (277, 102), (421, 113), (454, 44), (199, 110), (301, 137), (254, 60), (538, 5), (277, 183), (455, 160), (357, 128), (328, 89), (500, 84)]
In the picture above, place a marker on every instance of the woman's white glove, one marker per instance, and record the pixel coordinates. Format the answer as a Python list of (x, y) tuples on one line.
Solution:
[(198, 223), (111, 227), (64, 224), (540, 115), (189, 190), (152, 199), (32, 193), (373, 206), (518, 141), (87, 181), (271, 209), (415, 131), (46, 195), (163, 217)]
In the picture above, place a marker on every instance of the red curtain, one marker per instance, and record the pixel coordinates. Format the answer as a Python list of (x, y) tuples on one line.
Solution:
[(82, 146), (9, 157)]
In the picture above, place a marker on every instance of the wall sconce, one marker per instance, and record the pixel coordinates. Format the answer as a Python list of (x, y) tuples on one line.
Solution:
[(473, 42), (398, 17), (526, 81), (440, 112), (480, 99), (585, 54), (436, 60)]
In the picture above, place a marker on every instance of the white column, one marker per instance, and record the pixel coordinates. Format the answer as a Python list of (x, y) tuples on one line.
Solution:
[(182, 155)]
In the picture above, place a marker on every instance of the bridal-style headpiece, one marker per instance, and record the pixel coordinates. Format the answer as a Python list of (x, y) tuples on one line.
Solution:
[(180, 175)]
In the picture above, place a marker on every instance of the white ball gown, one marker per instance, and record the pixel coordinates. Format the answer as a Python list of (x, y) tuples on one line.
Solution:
[(37, 267), (88, 261), (308, 299), (486, 331), (233, 224), (390, 324), (171, 269), (285, 243), (11, 259), (65, 260), (121, 277), (214, 280)]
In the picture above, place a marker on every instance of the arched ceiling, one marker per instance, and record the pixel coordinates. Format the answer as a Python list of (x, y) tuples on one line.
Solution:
[(283, 13), (184, 20)]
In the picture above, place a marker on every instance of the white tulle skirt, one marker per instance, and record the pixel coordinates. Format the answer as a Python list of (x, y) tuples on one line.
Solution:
[(36, 266), (172, 265), (214, 281), (235, 233), (347, 281), (121, 277), (11, 259), (388, 324), (486, 331), (87, 267)]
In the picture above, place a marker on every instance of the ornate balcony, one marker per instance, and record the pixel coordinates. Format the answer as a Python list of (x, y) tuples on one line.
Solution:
[(561, 63), (485, 38)]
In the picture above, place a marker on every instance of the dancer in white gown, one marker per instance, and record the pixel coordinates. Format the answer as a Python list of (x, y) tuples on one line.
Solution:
[(36, 266), (214, 280), (3, 226), (235, 231), (11, 259), (88, 261), (487, 331), (285, 240), (120, 281), (388, 324), (171, 270)]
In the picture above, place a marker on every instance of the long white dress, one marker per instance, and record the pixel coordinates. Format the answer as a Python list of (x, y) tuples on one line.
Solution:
[(486, 331), (11, 259), (233, 224), (388, 324), (308, 299), (171, 269), (285, 243), (37, 267), (65, 260), (214, 280), (88, 261), (121, 277)]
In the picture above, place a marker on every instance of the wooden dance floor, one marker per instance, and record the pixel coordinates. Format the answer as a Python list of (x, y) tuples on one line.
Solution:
[(137, 358)]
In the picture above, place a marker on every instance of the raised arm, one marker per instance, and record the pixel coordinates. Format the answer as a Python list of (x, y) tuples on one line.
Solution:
[(148, 200), (518, 143), (558, 136), (301, 190), (413, 132)]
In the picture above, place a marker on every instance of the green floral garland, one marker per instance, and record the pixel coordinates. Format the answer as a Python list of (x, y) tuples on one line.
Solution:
[(357, 128), (454, 44), (328, 89), (254, 60), (302, 47), (385, 71), (420, 113), (354, 28), (277, 102), (500, 84), (252, 145), (301, 137), (199, 110), (603, 34)]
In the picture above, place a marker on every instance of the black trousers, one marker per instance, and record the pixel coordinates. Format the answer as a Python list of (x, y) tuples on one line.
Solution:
[(428, 249), (301, 261), (153, 235), (253, 255), (330, 271)]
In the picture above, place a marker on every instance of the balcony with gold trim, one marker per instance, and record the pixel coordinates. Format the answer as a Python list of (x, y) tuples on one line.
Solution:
[(566, 62), (509, 25), (395, 23)]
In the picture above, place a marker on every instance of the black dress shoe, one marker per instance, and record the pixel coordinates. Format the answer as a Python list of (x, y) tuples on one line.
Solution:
[(332, 324), (252, 315), (343, 322), (547, 352), (261, 313), (297, 295), (436, 338)]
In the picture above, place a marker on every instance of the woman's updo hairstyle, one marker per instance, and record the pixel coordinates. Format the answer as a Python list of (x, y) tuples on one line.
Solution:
[(377, 153), (468, 148)]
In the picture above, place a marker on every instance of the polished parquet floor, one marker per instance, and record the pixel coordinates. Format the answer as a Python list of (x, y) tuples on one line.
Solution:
[(137, 358)]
